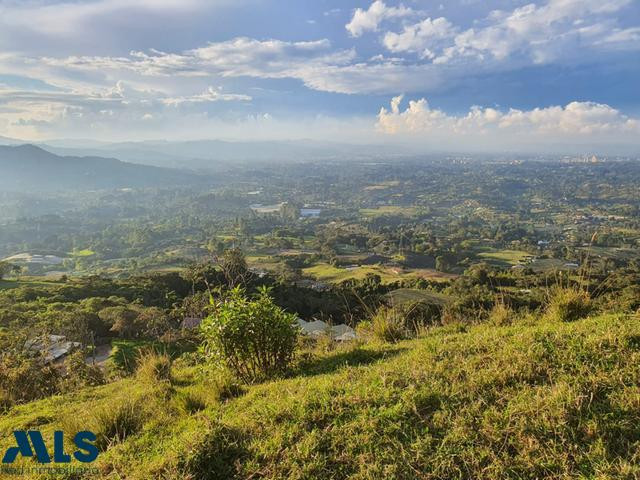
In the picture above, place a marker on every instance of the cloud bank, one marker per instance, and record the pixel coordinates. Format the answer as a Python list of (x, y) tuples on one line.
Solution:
[(575, 123)]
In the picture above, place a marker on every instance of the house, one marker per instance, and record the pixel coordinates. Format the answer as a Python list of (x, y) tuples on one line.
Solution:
[(340, 333), (52, 347), (310, 212)]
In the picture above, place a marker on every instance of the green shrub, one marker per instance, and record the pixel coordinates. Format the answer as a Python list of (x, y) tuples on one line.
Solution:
[(567, 304), (79, 374), (254, 338), (24, 378)]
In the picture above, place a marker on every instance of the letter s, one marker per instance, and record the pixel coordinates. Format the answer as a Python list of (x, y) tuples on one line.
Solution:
[(83, 441)]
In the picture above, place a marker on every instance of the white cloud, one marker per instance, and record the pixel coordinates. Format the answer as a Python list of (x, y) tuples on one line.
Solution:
[(623, 38), (421, 37), (369, 20), (32, 111), (210, 95), (64, 18), (233, 58), (557, 29), (577, 122)]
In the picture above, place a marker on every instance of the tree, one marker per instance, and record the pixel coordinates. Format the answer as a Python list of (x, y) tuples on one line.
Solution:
[(123, 320), (234, 267), (6, 268)]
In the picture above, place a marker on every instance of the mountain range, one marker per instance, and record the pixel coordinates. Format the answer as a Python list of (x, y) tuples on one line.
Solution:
[(31, 168)]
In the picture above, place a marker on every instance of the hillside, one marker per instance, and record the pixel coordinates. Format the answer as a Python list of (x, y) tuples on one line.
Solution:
[(533, 400), (30, 168)]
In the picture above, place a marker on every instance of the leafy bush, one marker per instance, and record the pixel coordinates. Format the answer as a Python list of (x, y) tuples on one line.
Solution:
[(24, 378), (79, 374), (254, 338), (568, 304)]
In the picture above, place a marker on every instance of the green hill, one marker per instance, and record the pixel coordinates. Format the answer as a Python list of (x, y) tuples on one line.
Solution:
[(530, 401)]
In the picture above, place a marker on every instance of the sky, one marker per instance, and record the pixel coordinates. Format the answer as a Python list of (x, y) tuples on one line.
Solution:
[(483, 75)]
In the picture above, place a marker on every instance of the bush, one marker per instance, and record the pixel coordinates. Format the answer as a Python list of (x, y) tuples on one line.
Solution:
[(567, 304), (24, 378), (79, 374), (254, 338)]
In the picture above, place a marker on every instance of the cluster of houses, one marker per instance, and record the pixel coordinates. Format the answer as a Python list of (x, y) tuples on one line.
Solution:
[(317, 328), (314, 328)]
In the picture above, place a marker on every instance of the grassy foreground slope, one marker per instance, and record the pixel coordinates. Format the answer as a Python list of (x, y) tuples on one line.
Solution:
[(529, 401)]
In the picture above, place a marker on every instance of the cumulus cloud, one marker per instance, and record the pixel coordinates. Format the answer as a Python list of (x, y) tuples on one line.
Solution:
[(541, 33), (577, 121), (370, 19), (533, 33), (421, 37)]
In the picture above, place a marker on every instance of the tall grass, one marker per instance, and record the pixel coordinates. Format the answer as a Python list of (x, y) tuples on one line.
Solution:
[(388, 325), (153, 367), (501, 314), (568, 304)]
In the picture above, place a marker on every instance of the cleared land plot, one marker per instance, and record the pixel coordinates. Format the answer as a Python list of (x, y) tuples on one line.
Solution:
[(505, 257), (390, 210), (328, 273), (404, 296)]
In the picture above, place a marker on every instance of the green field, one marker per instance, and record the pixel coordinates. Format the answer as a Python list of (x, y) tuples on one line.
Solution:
[(535, 400), (404, 296), (83, 253), (24, 282), (328, 273), (390, 210), (504, 257)]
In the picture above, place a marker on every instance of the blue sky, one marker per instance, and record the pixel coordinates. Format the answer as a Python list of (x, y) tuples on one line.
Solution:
[(476, 73)]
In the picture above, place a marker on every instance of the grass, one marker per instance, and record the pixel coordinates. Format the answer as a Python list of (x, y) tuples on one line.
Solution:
[(390, 210), (127, 353), (537, 399), (404, 296), (24, 282), (328, 273), (83, 253), (504, 257)]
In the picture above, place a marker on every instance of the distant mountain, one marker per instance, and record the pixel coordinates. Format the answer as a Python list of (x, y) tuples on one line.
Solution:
[(30, 168), (213, 154), (9, 141)]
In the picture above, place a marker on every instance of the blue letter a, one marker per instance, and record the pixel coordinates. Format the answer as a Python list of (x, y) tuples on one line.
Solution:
[(24, 449)]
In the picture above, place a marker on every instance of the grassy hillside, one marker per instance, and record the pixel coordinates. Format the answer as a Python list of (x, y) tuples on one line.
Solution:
[(533, 400)]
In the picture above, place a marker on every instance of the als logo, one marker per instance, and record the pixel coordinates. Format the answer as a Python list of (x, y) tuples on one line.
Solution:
[(31, 442)]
